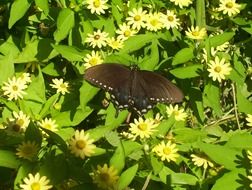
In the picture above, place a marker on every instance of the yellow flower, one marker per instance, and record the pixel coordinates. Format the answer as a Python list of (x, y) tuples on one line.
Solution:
[(14, 88), (249, 120), (250, 178), (92, 59), (98, 39), (158, 118), (229, 7), (35, 182), (27, 150), (60, 85), (182, 3), (125, 32), (105, 177), (97, 6), (196, 33), (199, 161), (153, 21), (18, 124), (219, 69), (169, 20), (213, 51), (25, 78), (115, 43), (137, 18), (249, 156), (20, 119), (142, 128), (81, 145), (179, 114), (167, 151), (48, 124)]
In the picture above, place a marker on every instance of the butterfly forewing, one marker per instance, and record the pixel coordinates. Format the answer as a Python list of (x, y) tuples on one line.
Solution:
[(113, 78), (108, 76)]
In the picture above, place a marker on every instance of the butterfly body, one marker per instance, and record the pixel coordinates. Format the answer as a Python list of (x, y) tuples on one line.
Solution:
[(131, 88)]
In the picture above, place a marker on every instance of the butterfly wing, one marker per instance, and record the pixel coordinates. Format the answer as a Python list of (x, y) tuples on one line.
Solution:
[(149, 88), (160, 89), (114, 78)]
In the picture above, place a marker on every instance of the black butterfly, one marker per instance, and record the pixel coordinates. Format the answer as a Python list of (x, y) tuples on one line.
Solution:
[(133, 88)]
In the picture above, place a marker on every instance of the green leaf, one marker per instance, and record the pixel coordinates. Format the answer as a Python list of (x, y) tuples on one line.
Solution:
[(195, 95), (8, 159), (190, 71), (137, 42), (230, 181), (220, 39), (72, 117), (244, 105), (240, 141), (188, 135), (18, 10), (87, 92), (127, 176), (43, 5), (122, 151), (211, 97), (49, 103), (164, 126), (182, 56), (157, 165), (65, 22), (6, 68), (33, 101), (222, 155), (151, 61), (69, 52)]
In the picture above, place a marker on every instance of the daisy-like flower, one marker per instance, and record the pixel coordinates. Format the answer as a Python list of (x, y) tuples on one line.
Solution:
[(60, 85), (105, 177), (249, 155), (223, 47), (81, 145), (213, 51), (158, 118), (153, 21), (97, 39), (199, 161), (48, 124), (182, 3), (97, 6), (250, 178), (179, 114), (92, 59), (25, 78), (143, 128), (229, 7), (128, 135), (115, 44), (196, 33), (27, 150), (125, 31), (137, 18), (167, 151), (20, 119), (219, 69), (169, 20), (249, 120), (36, 182), (14, 88)]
